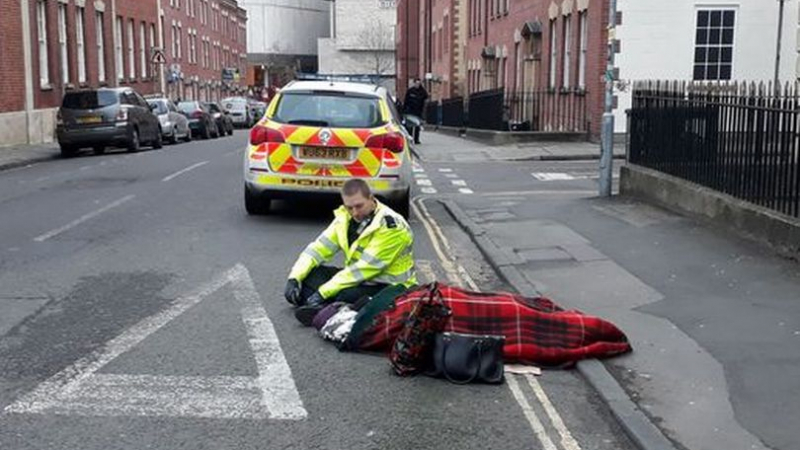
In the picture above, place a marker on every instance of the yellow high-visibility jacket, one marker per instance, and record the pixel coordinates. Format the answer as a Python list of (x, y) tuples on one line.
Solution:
[(383, 252)]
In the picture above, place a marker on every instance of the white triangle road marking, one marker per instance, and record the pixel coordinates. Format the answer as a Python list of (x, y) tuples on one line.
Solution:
[(272, 394)]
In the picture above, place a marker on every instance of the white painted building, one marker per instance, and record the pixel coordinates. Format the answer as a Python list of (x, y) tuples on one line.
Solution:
[(362, 40), (703, 40), (282, 34)]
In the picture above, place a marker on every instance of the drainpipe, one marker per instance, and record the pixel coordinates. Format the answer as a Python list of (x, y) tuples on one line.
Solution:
[(27, 67), (607, 135), (778, 50)]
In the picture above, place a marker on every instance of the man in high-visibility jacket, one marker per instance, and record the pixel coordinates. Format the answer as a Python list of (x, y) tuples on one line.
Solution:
[(377, 245)]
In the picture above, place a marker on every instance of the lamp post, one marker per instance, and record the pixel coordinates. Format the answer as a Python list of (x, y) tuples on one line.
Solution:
[(778, 49), (607, 133)]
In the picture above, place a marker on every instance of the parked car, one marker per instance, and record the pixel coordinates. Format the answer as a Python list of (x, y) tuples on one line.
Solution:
[(104, 117), (200, 121), (223, 119), (320, 134), (174, 125), (238, 110)]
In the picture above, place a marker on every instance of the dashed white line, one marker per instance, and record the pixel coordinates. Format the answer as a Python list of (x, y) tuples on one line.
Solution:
[(458, 182), (445, 170), (428, 190), (466, 191), (182, 171), (424, 182), (420, 175), (552, 176), (84, 218)]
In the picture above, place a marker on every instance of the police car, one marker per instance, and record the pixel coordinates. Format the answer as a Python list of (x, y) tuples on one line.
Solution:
[(316, 135)]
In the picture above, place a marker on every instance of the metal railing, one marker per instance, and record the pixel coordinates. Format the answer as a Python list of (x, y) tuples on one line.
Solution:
[(738, 138), (453, 112)]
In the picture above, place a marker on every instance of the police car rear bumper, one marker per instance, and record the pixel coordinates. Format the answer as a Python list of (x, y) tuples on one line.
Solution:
[(273, 185)]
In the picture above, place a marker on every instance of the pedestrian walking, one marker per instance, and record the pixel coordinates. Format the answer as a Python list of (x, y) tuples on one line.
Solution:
[(414, 105)]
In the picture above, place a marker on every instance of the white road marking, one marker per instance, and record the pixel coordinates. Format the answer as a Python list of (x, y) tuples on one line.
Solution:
[(428, 190), (466, 191), (418, 169), (79, 390), (84, 218), (420, 176), (451, 175), (530, 414), (552, 176), (422, 213), (445, 170), (424, 182), (182, 171), (458, 182), (567, 441)]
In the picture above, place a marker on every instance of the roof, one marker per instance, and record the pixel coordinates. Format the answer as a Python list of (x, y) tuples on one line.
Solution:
[(334, 86)]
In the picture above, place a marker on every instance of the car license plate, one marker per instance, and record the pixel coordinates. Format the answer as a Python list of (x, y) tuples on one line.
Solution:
[(324, 153), (89, 119)]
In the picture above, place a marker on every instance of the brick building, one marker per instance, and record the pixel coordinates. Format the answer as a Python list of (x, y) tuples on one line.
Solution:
[(205, 44), (407, 41), (50, 47), (547, 56)]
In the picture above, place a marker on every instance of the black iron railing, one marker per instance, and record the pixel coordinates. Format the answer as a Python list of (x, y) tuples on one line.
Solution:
[(453, 112), (502, 110), (737, 138)]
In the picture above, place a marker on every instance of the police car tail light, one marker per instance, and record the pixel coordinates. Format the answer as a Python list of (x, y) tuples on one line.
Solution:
[(260, 135), (393, 142)]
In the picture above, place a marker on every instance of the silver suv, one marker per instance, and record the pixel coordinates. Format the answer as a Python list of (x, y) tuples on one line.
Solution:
[(100, 118)]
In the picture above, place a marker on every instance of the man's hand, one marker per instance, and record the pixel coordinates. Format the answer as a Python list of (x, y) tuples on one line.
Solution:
[(315, 300), (292, 292)]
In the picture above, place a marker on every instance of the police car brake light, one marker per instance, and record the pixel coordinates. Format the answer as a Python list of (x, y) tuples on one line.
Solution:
[(260, 135), (393, 142)]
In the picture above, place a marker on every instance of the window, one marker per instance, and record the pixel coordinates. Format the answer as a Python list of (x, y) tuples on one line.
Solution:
[(142, 49), (446, 34), (567, 58), (62, 42), (329, 110), (152, 46), (80, 47), (553, 55), (131, 61), (118, 49), (101, 51), (713, 53), (582, 37), (179, 40), (41, 32)]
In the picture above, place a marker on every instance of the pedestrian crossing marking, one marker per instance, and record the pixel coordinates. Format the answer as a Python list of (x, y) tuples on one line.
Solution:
[(445, 170), (458, 182), (466, 191), (552, 176), (81, 390), (424, 182), (428, 190)]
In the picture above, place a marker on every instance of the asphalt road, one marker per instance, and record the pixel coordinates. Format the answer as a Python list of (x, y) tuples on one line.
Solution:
[(140, 307)]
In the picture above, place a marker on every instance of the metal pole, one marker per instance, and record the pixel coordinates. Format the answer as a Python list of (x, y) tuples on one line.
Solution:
[(778, 50), (607, 133)]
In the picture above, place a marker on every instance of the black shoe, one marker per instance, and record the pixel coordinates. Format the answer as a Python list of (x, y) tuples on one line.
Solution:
[(305, 314)]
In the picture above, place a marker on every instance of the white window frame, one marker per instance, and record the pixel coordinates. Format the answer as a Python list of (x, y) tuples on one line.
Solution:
[(41, 32), (63, 45), (567, 57), (80, 42), (152, 46), (718, 47), (553, 54), (101, 47), (118, 56), (143, 49), (583, 36), (131, 49), (180, 41)]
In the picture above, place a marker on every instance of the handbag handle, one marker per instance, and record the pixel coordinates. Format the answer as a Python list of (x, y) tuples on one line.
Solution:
[(479, 344)]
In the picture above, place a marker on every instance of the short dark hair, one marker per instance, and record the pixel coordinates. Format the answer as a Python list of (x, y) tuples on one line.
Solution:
[(356, 185)]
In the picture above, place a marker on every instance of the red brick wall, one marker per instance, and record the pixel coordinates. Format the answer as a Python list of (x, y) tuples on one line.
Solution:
[(140, 11), (232, 42), (12, 74), (407, 44)]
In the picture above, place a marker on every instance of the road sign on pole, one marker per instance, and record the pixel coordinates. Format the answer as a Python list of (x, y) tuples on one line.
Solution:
[(158, 57)]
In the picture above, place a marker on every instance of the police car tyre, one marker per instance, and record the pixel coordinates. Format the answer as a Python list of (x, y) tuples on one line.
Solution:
[(133, 143), (68, 151), (255, 205), (157, 143)]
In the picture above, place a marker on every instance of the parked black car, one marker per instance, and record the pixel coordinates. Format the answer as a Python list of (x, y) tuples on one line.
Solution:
[(200, 120), (224, 122), (99, 118)]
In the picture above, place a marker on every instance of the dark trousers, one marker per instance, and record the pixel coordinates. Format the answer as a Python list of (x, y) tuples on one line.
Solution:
[(416, 134), (321, 274)]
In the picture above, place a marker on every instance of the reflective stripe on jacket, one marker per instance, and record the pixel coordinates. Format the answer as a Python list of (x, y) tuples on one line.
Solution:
[(383, 252)]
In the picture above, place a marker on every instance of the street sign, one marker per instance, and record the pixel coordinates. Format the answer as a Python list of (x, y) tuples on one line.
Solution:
[(158, 57)]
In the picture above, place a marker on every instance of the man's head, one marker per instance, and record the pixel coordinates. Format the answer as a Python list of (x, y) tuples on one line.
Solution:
[(358, 199), (416, 82)]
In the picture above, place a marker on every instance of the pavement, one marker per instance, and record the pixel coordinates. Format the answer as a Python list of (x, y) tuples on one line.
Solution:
[(22, 155), (714, 319)]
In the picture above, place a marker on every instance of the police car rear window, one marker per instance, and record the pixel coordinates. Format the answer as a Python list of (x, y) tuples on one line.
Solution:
[(328, 110), (89, 99)]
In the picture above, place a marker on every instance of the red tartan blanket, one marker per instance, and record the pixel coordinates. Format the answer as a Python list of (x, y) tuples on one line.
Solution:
[(537, 331)]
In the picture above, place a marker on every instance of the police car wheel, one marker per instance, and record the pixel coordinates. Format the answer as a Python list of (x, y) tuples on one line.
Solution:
[(255, 205)]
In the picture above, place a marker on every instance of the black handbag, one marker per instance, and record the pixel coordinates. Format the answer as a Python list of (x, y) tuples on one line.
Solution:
[(468, 358)]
